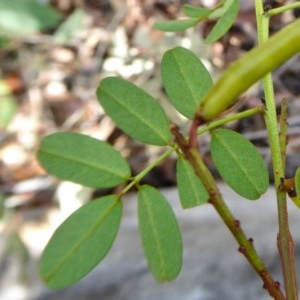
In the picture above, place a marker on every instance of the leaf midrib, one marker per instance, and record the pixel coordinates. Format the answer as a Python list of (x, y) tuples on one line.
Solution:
[(156, 236), (234, 157), (132, 112), (93, 166), (193, 185), (81, 241), (189, 86)]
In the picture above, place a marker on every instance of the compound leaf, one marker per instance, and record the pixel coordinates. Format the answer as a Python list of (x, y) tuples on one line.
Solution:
[(134, 111), (160, 234), (225, 22), (191, 190), (239, 163), (82, 159), (175, 25), (81, 242), (185, 79)]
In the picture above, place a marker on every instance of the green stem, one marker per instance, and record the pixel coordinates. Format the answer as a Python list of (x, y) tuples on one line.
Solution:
[(245, 245), (207, 127), (283, 126), (279, 10), (284, 242), (141, 175), (235, 117)]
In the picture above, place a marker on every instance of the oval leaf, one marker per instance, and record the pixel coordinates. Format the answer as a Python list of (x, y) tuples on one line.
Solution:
[(297, 183), (81, 242), (134, 111), (191, 190), (239, 163), (224, 23), (160, 234), (175, 25), (196, 11), (82, 159), (185, 79)]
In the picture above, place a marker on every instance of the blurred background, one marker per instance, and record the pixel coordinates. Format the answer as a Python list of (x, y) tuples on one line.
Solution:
[(53, 55)]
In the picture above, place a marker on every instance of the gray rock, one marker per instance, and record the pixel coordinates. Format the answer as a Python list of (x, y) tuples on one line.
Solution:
[(212, 268)]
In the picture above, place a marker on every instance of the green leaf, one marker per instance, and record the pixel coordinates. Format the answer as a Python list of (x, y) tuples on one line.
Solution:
[(82, 159), (68, 27), (175, 25), (160, 234), (221, 9), (294, 192), (297, 183), (239, 163), (185, 79), (134, 111), (196, 11), (81, 242), (224, 23), (26, 16), (191, 190)]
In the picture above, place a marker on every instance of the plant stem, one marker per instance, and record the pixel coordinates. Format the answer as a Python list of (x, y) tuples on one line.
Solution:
[(284, 240), (283, 130), (207, 127), (281, 9), (140, 176), (245, 245), (237, 116)]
